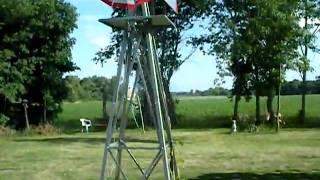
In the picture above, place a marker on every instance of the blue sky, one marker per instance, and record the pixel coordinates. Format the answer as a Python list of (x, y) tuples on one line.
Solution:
[(198, 72)]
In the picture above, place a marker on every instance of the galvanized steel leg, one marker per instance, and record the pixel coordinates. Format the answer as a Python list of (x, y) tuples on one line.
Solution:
[(109, 130), (155, 90)]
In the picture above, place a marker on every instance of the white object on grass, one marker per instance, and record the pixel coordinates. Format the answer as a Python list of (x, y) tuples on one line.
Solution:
[(85, 123), (234, 126)]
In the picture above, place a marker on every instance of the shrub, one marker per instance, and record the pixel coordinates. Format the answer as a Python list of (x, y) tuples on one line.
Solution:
[(246, 123), (3, 120), (45, 129), (5, 131)]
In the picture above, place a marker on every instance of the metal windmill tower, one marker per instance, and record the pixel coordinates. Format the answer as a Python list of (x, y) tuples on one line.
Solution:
[(138, 57)]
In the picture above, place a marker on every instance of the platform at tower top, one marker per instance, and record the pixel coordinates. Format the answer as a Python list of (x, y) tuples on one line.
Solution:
[(145, 22)]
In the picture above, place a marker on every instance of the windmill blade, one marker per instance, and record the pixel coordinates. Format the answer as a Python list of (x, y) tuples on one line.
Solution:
[(125, 4), (173, 4)]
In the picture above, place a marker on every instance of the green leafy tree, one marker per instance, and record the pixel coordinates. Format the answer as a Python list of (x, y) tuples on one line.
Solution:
[(14, 54), (251, 39), (93, 87), (74, 88), (36, 45), (276, 29), (228, 22), (54, 21), (309, 13)]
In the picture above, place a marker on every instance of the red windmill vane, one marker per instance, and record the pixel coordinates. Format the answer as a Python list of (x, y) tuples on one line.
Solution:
[(132, 4)]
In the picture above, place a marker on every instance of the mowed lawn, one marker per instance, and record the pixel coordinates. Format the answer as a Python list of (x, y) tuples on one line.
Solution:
[(201, 154), (204, 149)]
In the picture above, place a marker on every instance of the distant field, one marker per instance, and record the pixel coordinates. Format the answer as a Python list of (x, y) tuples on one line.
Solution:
[(200, 97), (201, 154), (72, 112), (217, 112), (203, 112)]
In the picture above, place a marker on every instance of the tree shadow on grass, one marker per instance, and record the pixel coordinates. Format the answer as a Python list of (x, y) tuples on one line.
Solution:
[(205, 122), (89, 140), (253, 176)]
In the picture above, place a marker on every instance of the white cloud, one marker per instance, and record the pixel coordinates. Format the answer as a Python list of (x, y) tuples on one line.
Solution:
[(99, 41), (95, 33), (90, 18), (97, 36)]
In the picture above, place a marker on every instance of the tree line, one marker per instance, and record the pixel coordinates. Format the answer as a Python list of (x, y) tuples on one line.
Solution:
[(294, 87), (288, 88), (89, 88), (216, 91)]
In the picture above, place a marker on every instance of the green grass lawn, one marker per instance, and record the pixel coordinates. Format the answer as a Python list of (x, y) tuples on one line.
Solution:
[(205, 152), (202, 154), (202, 112)]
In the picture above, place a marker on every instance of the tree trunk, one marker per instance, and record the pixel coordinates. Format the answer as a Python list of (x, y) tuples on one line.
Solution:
[(236, 107), (45, 110), (104, 104), (303, 98), (258, 119), (270, 104), (302, 112), (2, 104), (146, 109), (171, 104), (146, 112), (278, 102), (25, 108)]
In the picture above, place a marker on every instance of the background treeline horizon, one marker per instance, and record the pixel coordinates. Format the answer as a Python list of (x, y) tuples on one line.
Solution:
[(288, 88), (96, 87), (89, 88)]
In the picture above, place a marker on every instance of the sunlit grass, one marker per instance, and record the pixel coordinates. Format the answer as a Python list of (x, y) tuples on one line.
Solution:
[(201, 154), (209, 153)]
